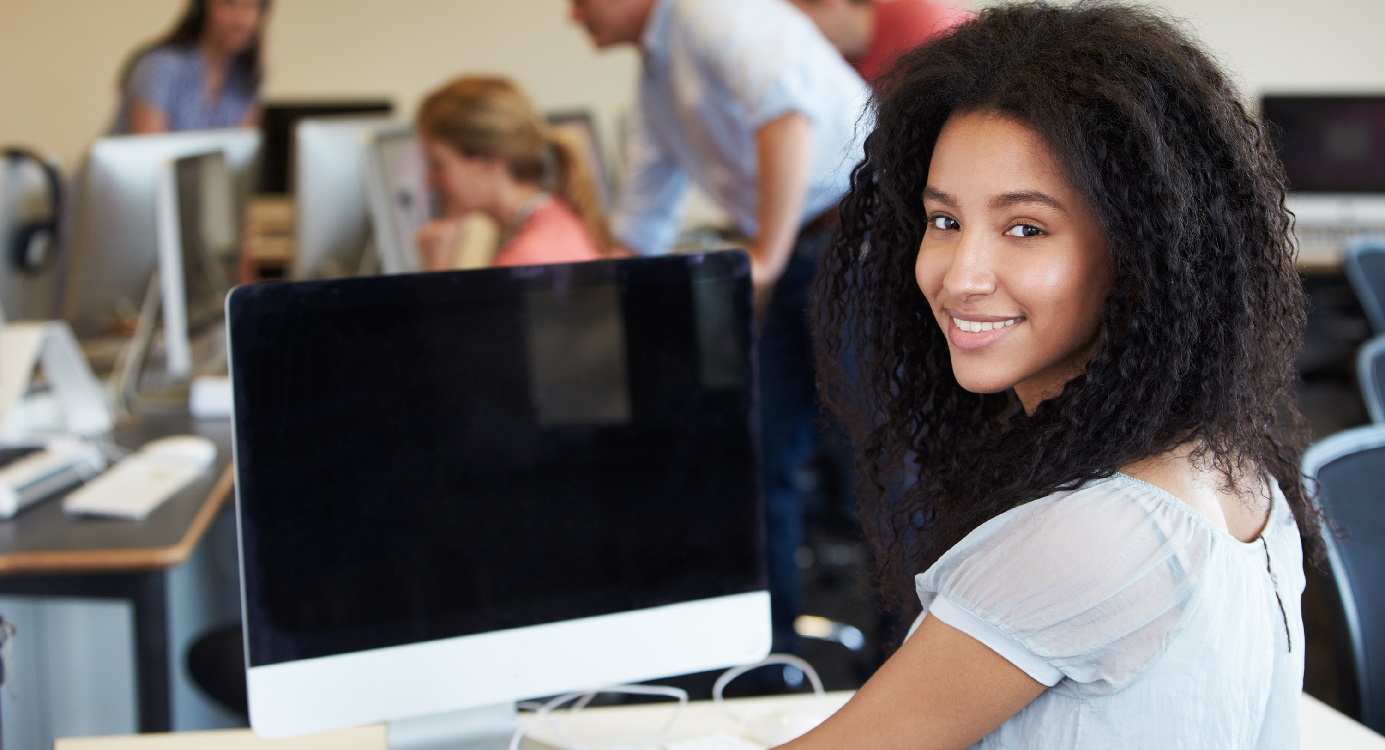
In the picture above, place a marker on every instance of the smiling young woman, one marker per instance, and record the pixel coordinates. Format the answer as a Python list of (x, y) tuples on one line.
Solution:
[(1060, 320), (1012, 263)]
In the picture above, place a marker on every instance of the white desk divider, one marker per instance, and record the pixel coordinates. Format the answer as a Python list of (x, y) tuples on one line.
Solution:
[(75, 403)]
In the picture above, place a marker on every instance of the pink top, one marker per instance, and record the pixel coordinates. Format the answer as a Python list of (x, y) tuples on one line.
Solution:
[(901, 25), (551, 233)]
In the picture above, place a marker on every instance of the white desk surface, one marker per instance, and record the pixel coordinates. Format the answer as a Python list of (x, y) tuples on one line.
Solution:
[(1323, 728)]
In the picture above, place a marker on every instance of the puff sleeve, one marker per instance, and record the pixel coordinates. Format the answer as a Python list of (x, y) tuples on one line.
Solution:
[(1089, 585)]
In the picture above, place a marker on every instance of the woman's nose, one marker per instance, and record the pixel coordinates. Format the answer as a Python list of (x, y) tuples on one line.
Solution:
[(972, 271)]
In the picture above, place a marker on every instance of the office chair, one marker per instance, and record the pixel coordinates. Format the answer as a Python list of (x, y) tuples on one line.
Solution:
[(1363, 261), (1349, 471), (216, 664), (1370, 374)]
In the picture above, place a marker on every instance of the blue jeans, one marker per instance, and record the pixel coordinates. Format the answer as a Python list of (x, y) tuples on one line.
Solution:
[(788, 428)]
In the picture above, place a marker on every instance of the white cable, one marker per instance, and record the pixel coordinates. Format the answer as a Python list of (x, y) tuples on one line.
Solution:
[(743, 718), (582, 699), (788, 659), (579, 701)]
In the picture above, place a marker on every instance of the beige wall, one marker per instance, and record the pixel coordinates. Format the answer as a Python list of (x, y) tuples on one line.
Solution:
[(58, 57)]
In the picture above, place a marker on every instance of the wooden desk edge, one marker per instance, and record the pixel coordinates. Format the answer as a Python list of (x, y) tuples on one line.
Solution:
[(120, 560), (1323, 726)]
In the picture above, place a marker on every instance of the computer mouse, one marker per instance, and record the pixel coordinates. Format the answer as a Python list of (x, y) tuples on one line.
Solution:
[(183, 449), (781, 726)]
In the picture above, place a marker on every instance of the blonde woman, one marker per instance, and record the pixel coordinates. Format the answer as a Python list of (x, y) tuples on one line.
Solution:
[(488, 150)]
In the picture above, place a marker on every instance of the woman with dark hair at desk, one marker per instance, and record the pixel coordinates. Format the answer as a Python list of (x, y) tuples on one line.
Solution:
[(1066, 271), (488, 150), (205, 73)]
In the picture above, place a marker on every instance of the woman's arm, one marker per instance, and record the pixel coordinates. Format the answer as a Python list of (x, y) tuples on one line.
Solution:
[(942, 689), (252, 116), (145, 118)]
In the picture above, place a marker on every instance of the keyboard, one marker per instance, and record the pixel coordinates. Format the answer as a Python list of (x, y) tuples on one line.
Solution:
[(145, 480), (1320, 247)]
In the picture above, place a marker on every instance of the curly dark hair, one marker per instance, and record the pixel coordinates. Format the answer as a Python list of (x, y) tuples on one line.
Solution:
[(1198, 334)]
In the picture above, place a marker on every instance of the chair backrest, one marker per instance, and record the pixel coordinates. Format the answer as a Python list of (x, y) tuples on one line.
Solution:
[(1349, 469), (1363, 261), (1370, 374)]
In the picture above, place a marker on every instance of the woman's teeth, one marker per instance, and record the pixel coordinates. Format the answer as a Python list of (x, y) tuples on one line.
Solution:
[(973, 326)]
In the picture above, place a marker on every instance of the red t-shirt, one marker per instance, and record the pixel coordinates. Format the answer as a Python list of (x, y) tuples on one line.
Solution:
[(551, 234), (901, 25)]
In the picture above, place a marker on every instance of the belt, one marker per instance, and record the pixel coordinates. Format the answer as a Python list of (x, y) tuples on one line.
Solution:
[(823, 222)]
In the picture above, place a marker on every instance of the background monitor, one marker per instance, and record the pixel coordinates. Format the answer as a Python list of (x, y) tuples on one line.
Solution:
[(400, 201), (1329, 144), (333, 230), (198, 229), (278, 121), (467, 488), (114, 249)]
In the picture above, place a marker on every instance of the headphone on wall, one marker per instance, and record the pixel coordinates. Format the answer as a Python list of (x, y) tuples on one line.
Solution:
[(33, 244)]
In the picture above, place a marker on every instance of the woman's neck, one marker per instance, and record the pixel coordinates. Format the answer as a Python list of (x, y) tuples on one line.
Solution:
[(513, 203), (215, 55), (1239, 503), (217, 61), (859, 31)]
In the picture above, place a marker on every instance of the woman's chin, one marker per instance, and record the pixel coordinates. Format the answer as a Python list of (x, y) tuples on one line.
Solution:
[(981, 385)]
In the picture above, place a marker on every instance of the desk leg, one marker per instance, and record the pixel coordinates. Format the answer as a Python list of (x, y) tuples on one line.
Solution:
[(148, 596), (151, 652)]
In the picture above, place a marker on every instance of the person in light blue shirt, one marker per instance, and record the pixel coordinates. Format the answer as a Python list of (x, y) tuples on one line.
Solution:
[(716, 73), (747, 100), (205, 73)]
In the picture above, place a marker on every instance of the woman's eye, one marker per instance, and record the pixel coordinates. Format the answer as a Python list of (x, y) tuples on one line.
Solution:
[(1024, 230), (942, 222)]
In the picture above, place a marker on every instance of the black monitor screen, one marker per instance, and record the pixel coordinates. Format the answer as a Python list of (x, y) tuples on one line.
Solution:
[(432, 455), (1332, 144), (277, 122)]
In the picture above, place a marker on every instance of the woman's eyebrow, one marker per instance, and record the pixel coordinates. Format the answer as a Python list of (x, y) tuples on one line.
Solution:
[(1008, 200), (931, 193)]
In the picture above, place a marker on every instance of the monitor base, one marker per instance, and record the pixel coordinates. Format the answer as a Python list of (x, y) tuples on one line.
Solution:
[(485, 728)]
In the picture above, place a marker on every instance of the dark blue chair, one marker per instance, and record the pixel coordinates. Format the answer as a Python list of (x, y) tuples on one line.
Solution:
[(1348, 470), (1370, 374), (1363, 262)]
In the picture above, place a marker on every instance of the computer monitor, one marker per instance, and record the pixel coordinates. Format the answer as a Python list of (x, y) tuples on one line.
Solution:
[(279, 118), (114, 249), (399, 198), (333, 235), (467, 488), (1332, 144), (1333, 150), (198, 228)]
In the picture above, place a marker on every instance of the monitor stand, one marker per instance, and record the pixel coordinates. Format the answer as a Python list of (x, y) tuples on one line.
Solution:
[(141, 383), (486, 728)]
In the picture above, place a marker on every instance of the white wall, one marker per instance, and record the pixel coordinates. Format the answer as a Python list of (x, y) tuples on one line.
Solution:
[(58, 58)]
